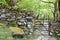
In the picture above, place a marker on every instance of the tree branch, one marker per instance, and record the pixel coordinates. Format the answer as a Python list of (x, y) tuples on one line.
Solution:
[(47, 2)]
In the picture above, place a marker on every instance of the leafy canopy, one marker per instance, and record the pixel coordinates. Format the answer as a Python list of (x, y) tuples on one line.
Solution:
[(43, 7)]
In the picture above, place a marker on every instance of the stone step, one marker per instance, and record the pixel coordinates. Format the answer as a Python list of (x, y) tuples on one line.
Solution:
[(45, 38), (44, 32), (37, 25), (58, 34), (44, 27), (38, 20)]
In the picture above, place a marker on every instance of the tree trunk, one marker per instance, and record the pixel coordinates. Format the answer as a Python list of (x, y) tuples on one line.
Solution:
[(55, 6), (59, 10), (56, 12)]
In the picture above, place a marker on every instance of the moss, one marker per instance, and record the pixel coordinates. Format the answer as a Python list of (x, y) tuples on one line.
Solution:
[(58, 38)]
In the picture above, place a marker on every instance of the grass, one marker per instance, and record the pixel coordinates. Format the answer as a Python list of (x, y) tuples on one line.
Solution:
[(5, 33), (58, 38)]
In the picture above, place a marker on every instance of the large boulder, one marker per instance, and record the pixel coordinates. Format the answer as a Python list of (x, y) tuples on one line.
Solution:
[(17, 31)]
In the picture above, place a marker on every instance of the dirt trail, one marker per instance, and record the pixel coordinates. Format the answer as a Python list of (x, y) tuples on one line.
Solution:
[(42, 34)]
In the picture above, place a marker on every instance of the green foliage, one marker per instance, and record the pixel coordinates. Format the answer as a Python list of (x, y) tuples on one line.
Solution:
[(37, 6), (3, 1), (4, 31), (58, 38)]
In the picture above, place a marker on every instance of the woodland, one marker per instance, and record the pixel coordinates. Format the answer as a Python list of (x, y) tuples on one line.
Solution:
[(29, 19)]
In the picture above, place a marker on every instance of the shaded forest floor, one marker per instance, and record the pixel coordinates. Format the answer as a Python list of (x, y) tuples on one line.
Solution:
[(39, 34)]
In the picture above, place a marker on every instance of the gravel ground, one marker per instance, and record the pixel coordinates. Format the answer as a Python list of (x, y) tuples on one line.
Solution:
[(42, 34)]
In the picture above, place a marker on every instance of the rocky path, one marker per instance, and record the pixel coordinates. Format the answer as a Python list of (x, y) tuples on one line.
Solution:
[(42, 34)]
